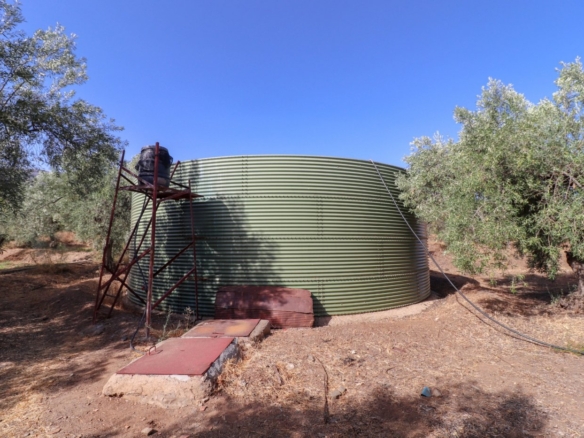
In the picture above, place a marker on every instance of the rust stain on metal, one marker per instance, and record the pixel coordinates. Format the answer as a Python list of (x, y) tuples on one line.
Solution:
[(223, 327), (180, 356), (278, 319), (282, 306)]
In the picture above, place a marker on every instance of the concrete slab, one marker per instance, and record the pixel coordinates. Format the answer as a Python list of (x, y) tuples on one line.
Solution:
[(172, 390), (257, 333), (181, 371), (222, 328)]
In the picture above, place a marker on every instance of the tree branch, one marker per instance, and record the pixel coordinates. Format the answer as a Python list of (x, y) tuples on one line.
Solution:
[(12, 95), (572, 179)]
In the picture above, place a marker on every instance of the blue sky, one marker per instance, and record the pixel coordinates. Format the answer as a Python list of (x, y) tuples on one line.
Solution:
[(357, 79)]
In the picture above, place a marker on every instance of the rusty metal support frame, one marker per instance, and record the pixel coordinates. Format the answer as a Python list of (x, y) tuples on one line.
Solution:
[(155, 195)]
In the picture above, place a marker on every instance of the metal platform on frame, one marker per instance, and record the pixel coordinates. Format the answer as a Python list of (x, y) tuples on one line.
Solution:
[(155, 195)]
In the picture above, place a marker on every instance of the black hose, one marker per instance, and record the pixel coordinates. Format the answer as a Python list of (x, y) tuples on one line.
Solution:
[(477, 308)]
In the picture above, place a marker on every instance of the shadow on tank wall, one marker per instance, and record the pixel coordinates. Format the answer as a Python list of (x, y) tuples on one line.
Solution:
[(282, 221), (228, 253)]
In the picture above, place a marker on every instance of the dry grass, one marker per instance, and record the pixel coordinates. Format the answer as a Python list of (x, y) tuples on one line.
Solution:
[(490, 384)]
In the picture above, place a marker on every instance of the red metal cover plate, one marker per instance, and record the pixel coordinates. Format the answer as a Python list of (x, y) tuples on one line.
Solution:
[(223, 327), (183, 356), (264, 297), (282, 306), (277, 318)]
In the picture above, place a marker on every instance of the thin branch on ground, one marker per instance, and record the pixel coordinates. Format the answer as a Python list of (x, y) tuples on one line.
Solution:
[(326, 413)]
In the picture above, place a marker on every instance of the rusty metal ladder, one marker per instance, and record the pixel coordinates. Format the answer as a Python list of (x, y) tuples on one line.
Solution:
[(154, 195)]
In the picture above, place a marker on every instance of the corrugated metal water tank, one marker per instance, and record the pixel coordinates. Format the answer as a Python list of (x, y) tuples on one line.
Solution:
[(317, 223)]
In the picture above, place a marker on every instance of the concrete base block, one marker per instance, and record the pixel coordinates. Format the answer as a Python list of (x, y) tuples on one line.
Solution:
[(170, 391), (262, 330), (398, 312), (174, 391)]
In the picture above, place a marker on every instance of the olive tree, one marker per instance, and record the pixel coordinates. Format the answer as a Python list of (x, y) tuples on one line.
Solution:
[(49, 205), (42, 125), (514, 179)]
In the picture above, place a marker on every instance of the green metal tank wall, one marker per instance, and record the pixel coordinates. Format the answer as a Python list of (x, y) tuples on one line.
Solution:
[(318, 223)]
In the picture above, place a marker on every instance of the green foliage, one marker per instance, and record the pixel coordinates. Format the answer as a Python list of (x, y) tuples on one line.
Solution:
[(40, 123), (51, 204), (512, 180), (515, 279)]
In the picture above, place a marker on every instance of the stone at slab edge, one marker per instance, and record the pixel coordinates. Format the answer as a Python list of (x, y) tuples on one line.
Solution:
[(261, 331)]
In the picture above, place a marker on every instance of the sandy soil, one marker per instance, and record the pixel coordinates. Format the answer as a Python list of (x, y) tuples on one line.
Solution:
[(54, 363)]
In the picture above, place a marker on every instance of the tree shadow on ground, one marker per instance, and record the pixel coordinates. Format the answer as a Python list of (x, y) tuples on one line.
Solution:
[(526, 295), (442, 286), (463, 410), (46, 323), (530, 296)]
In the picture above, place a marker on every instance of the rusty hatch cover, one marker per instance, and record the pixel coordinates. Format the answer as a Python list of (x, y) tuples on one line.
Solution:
[(182, 356), (282, 306), (223, 327)]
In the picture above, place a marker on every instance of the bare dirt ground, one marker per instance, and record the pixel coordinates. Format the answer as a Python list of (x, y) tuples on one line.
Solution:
[(54, 363)]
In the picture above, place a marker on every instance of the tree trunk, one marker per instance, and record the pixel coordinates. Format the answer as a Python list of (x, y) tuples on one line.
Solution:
[(578, 267)]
